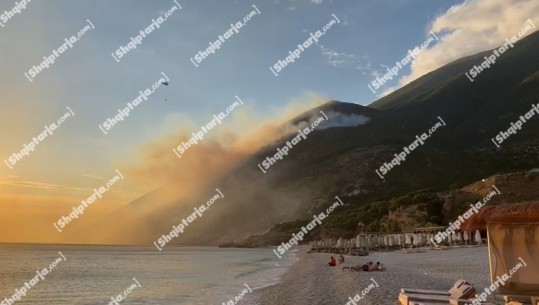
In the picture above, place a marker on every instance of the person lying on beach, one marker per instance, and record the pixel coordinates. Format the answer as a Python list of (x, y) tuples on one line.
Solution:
[(365, 267), (369, 267), (332, 262)]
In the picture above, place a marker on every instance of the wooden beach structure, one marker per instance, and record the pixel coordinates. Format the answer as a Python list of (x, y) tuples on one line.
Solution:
[(513, 241), (513, 253)]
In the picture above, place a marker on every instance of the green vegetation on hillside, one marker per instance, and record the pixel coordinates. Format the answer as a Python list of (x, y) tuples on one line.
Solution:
[(375, 215)]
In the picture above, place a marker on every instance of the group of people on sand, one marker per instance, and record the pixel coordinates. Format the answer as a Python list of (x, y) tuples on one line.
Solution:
[(369, 267), (333, 262)]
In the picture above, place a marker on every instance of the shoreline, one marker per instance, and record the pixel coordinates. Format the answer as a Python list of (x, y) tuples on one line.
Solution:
[(310, 281)]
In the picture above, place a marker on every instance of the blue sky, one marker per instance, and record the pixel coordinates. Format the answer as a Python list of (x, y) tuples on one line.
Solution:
[(87, 78), (371, 36)]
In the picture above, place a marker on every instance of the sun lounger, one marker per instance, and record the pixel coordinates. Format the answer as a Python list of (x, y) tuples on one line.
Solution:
[(460, 296), (436, 292), (424, 303), (425, 291), (409, 299), (427, 303)]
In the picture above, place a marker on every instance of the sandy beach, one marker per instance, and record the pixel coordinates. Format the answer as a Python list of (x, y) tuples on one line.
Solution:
[(310, 281)]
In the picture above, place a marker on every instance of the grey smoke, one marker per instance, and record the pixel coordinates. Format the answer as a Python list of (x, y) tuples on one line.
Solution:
[(336, 119)]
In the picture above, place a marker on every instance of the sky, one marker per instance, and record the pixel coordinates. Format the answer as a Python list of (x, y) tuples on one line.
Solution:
[(88, 82)]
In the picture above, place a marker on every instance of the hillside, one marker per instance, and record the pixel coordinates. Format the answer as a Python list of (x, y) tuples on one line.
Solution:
[(341, 159)]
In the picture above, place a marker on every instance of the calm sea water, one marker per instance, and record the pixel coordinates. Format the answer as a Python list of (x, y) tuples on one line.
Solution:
[(94, 274)]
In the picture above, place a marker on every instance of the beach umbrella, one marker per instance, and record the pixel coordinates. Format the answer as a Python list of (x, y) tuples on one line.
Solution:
[(339, 242), (407, 239), (417, 240), (459, 236), (466, 237), (478, 237)]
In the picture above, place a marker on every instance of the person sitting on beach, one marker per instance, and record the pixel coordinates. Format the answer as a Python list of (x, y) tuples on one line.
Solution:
[(341, 259), (332, 262)]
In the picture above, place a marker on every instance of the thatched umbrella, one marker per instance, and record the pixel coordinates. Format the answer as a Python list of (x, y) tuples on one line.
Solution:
[(513, 238), (519, 212)]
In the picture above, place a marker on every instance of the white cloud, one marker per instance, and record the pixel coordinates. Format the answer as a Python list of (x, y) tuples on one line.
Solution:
[(340, 59), (469, 28)]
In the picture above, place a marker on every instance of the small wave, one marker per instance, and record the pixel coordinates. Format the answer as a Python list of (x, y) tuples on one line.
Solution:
[(252, 271), (265, 259)]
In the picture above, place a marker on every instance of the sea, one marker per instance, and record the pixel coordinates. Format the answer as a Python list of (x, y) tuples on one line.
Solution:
[(90, 275)]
